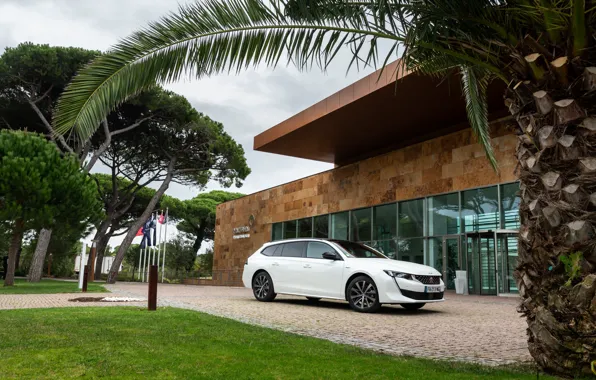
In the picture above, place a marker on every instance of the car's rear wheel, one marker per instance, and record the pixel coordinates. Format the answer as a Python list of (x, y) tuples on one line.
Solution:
[(313, 299), (262, 287), (412, 306), (363, 295)]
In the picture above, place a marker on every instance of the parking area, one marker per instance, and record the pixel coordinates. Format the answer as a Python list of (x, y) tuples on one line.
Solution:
[(469, 328)]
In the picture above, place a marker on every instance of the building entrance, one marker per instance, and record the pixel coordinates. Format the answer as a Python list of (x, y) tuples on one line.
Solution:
[(491, 260)]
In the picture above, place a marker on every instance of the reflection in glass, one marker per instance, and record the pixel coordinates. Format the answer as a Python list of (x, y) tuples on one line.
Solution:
[(339, 226), (305, 228), (480, 209), (360, 229), (443, 215), (434, 257), (411, 218), (276, 233), (386, 247), (321, 226), (385, 222), (290, 229), (411, 250), (510, 201)]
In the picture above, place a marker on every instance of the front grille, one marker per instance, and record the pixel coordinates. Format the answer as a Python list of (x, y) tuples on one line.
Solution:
[(429, 280), (422, 296)]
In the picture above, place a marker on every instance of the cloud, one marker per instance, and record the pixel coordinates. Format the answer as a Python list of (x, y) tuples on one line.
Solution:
[(246, 104)]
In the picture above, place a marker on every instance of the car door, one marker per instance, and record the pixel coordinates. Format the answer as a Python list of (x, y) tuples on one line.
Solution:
[(322, 277), (287, 268)]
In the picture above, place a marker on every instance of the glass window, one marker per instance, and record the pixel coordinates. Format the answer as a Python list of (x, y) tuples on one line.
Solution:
[(315, 250), (269, 250), (277, 230), (411, 250), (480, 209), (339, 226), (358, 250), (385, 222), (305, 228), (295, 249), (443, 215), (510, 201), (386, 247), (321, 226), (435, 254), (290, 229), (361, 225), (411, 218)]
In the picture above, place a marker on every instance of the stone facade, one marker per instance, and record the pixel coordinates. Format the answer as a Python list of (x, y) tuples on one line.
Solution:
[(452, 162)]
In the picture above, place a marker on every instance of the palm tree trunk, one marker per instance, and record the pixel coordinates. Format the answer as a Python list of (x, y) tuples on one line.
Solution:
[(39, 256), (15, 244), (140, 221), (557, 171)]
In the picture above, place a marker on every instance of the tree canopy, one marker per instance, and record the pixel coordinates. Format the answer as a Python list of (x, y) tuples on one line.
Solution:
[(41, 187), (196, 216)]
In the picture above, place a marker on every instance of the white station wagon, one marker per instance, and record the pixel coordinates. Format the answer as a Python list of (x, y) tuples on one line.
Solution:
[(337, 269)]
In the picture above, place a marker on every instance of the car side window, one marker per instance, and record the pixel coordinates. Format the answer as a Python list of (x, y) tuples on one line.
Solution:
[(295, 249), (278, 249), (315, 250), (269, 251)]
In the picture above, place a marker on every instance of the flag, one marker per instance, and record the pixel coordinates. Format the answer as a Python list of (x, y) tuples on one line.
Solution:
[(162, 218), (147, 233), (139, 232)]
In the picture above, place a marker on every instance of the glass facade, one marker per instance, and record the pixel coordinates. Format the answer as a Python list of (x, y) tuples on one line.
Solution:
[(472, 230), (361, 225)]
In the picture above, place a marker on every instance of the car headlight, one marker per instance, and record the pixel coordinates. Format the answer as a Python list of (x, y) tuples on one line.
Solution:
[(395, 274)]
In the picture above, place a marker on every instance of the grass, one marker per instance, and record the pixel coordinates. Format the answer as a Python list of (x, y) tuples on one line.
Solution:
[(47, 286), (128, 343)]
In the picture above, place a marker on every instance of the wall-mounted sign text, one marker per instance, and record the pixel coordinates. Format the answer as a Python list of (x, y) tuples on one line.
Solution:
[(243, 236), (240, 230)]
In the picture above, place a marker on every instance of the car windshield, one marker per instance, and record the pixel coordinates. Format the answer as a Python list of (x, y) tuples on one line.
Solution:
[(357, 250)]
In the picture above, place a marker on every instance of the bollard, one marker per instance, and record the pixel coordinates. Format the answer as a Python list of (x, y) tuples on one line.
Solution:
[(85, 278), (152, 299)]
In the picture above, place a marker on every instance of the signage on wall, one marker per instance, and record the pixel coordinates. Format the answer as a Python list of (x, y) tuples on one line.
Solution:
[(242, 232)]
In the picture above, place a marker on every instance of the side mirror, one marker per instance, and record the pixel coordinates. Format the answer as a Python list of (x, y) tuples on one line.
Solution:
[(330, 256)]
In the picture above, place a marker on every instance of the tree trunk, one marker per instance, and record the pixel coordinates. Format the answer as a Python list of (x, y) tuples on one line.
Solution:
[(140, 221), (39, 256), (15, 245), (102, 244), (557, 220), (199, 240)]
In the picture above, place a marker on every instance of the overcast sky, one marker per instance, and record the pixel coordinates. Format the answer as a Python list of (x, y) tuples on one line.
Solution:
[(246, 104)]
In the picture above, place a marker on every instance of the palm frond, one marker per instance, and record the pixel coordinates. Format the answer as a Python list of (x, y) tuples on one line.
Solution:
[(203, 39), (475, 82)]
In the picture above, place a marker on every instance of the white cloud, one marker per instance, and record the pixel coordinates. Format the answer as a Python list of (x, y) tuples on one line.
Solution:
[(246, 104)]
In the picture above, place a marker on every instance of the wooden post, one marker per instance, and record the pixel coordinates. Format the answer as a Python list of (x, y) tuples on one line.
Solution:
[(92, 254), (50, 265), (85, 278), (152, 299)]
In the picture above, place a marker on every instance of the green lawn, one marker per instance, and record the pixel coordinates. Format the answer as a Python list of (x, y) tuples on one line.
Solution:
[(47, 286), (126, 342)]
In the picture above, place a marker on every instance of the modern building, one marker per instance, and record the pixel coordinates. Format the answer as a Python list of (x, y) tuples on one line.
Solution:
[(409, 179)]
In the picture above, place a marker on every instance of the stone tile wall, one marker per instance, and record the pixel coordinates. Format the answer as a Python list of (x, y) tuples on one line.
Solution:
[(449, 163)]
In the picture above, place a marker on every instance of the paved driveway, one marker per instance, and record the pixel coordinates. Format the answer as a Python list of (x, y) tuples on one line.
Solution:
[(469, 328)]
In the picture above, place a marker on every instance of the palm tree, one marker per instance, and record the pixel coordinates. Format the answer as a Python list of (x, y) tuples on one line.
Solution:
[(543, 50)]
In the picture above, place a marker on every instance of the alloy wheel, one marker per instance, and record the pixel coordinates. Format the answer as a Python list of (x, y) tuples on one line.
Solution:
[(363, 294), (262, 286)]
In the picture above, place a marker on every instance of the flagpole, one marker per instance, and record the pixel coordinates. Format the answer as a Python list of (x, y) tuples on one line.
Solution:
[(159, 240), (165, 245), (140, 261)]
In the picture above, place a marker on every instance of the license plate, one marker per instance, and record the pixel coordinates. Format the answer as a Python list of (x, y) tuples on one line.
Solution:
[(433, 289)]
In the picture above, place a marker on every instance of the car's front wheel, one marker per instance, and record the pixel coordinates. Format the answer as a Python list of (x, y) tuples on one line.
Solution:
[(363, 295), (262, 287), (412, 306)]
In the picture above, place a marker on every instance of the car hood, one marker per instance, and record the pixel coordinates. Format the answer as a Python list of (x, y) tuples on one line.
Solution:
[(396, 265)]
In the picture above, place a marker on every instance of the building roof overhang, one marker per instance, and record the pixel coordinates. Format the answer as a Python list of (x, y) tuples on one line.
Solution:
[(375, 115)]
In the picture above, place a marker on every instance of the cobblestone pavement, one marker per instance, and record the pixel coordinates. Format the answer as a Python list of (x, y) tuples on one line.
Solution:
[(33, 301), (486, 330)]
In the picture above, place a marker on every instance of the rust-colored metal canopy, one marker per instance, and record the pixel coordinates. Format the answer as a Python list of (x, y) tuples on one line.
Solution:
[(375, 115)]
